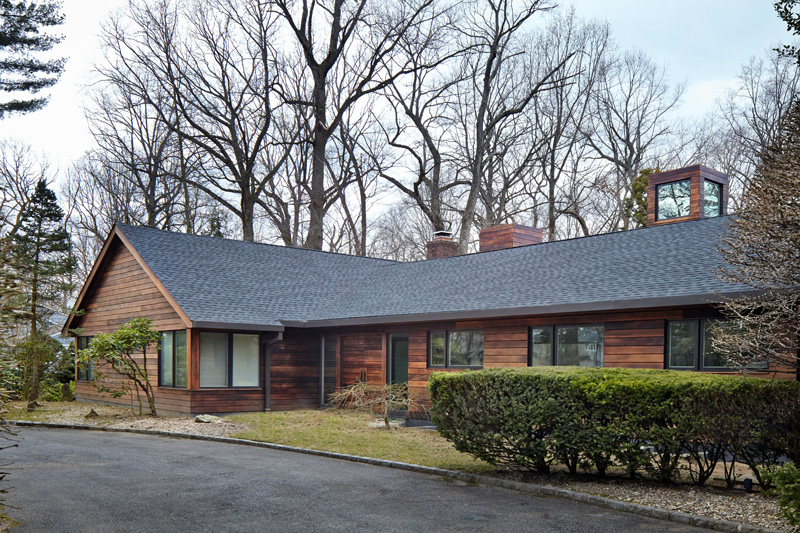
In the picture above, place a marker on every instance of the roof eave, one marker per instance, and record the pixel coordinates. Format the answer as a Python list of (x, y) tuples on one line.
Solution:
[(560, 309), (236, 326)]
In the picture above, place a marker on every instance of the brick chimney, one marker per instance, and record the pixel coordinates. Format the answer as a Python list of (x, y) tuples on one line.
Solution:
[(684, 194), (509, 236), (442, 245)]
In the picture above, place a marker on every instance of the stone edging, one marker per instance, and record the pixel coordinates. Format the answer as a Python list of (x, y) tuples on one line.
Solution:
[(529, 488)]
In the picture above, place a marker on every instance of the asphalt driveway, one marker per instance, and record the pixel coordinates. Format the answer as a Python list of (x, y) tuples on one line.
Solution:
[(67, 480)]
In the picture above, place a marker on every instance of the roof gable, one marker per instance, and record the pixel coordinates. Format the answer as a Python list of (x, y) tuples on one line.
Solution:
[(116, 245)]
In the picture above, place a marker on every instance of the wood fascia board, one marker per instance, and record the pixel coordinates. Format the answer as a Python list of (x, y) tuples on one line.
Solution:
[(163, 290), (90, 278)]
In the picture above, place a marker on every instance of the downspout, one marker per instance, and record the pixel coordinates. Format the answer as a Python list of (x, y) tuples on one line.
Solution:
[(267, 364)]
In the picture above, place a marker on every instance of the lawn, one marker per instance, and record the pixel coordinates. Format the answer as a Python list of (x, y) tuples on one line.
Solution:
[(349, 432)]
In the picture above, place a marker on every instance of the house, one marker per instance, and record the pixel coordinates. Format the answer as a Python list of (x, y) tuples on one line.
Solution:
[(251, 327)]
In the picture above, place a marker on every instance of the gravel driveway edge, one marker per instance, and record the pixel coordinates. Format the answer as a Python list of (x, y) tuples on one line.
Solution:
[(536, 490)]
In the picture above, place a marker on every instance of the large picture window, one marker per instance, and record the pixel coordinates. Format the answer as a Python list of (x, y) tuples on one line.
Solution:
[(673, 200), (172, 359), (456, 349), (566, 346), (229, 360), (85, 373)]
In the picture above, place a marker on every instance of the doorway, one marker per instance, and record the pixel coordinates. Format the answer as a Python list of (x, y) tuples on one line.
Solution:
[(398, 359)]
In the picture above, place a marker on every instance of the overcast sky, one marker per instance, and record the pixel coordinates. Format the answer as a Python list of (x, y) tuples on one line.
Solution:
[(703, 43)]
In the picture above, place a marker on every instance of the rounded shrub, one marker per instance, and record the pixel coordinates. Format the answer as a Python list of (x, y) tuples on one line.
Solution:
[(654, 421)]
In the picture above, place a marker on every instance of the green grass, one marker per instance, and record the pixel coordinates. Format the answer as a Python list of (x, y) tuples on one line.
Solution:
[(349, 432)]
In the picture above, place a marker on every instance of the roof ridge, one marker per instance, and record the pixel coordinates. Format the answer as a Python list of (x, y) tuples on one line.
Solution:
[(579, 237), (239, 241)]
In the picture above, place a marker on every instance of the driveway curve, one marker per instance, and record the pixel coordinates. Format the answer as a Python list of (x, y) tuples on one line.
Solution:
[(66, 480)]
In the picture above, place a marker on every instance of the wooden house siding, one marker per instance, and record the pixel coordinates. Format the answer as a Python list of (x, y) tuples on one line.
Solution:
[(632, 339), (294, 371), (120, 292)]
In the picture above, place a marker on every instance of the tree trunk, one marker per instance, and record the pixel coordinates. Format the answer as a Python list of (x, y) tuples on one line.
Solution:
[(320, 140), (248, 207)]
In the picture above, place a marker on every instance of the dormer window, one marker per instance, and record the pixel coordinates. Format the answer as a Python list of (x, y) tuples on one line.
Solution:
[(674, 199), (712, 205)]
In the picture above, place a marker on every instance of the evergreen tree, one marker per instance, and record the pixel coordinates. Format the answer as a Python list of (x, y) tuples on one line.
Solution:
[(636, 203), (762, 249), (42, 260), (21, 23)]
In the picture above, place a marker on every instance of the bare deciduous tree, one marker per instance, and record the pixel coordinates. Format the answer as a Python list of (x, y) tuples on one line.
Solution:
[(20, 170), (751, 114), (217, 64), (364, 36), (494, 95), (560, 115), (630, 116)]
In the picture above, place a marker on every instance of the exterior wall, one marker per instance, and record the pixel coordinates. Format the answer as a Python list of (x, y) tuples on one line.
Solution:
[(294, 371), (120, 292), (633, 339)]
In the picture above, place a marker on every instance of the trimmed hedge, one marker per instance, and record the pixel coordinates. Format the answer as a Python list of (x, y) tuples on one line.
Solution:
[(640, 420)]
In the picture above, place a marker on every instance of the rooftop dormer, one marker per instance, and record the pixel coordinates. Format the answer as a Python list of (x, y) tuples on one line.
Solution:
[(688, 193)]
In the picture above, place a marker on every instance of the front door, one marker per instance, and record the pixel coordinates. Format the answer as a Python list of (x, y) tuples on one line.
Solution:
[(398, 359)]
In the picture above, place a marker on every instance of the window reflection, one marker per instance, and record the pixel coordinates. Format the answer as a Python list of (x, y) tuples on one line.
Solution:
[(674, 200), (712, 206)]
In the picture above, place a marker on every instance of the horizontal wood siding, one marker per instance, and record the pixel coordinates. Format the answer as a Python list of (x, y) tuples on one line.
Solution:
[(633, 339), (227, 400), (120, 292), (294, 371), (363, 355)]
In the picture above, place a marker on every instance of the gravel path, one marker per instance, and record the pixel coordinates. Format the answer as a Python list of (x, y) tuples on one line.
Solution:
[(735, 505)]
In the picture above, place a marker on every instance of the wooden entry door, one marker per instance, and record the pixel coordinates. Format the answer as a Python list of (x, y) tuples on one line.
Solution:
[(362, 358)]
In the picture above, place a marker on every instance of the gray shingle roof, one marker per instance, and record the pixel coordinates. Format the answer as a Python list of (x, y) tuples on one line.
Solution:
[(224, 281), (232, 282)]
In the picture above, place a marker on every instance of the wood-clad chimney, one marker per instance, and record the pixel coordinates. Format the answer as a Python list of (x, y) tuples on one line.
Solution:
[(688, 193), (509, 236)]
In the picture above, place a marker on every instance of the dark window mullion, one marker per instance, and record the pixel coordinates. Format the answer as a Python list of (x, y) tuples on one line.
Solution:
[(447, 348), (230, 359), (553, 348), (698, 347)]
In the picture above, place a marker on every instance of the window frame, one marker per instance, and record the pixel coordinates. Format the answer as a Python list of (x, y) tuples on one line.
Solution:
[(230, 384), (174, 360), (88, 374), (447, 364), (699, 344), (553, 328), (673, 183)]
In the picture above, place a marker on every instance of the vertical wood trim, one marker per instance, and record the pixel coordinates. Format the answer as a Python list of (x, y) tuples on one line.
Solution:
[(189, 363), (338, 361), (384, 358), (194, 381), (267, 374)]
